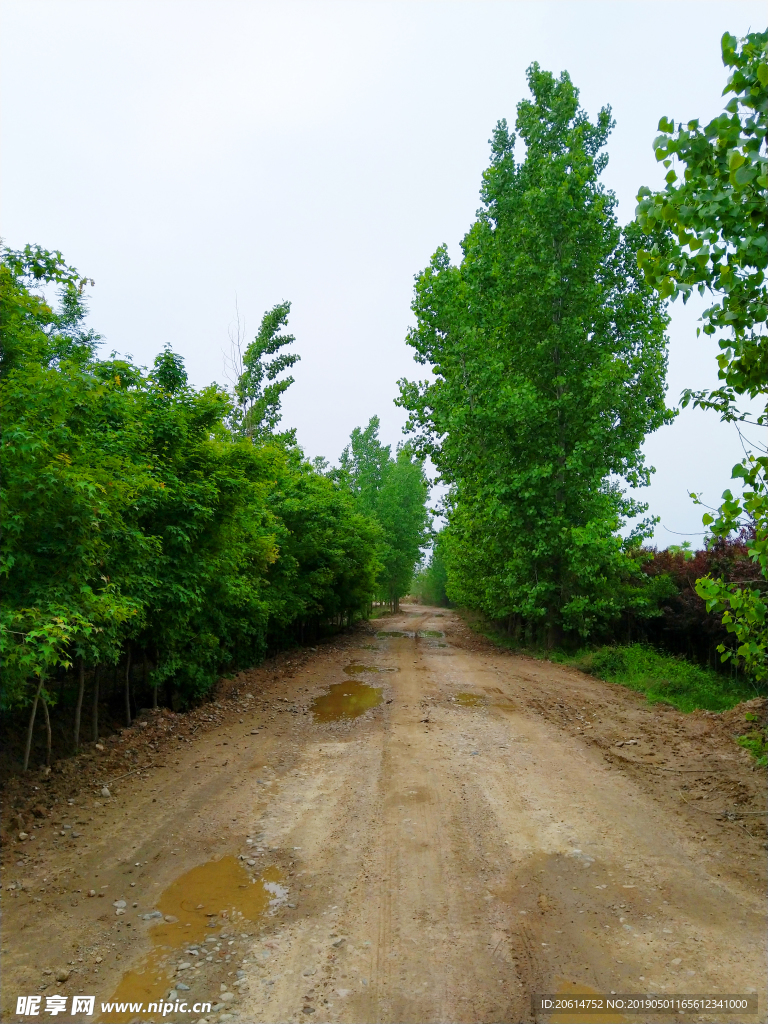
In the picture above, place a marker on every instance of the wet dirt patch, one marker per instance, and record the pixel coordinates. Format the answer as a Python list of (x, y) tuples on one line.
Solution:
[(345, 700), (191, 906), (356, 670), (469, 700)]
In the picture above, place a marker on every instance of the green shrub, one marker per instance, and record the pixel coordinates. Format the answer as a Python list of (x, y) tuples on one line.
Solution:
[(664, 678)]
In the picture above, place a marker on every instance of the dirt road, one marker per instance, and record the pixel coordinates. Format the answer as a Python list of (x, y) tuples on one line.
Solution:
[(399, 828)]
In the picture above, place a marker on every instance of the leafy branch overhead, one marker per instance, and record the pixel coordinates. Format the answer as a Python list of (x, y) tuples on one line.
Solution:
[(714, 210), (710, 230)]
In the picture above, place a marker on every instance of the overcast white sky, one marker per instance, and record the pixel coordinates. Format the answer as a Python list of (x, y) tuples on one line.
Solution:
[(190, 155)]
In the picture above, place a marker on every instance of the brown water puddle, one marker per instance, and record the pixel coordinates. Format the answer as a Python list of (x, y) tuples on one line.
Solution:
[(345, 700), (468, 700), (575, 988), (218, 889), (356, 670)]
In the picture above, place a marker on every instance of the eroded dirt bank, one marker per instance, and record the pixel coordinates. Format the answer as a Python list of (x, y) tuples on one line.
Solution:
[(468, 835)]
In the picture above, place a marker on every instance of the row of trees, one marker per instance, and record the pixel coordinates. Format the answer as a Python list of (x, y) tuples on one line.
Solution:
[(393, 491), (548, 350), (156, 534)]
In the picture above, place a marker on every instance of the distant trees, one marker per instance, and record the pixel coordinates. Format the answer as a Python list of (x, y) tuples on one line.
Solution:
[(393, 491), (549, 356), (430, 584)]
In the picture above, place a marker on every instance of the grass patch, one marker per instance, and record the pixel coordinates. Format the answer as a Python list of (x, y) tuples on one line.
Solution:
[(756, 740), (663, 678)]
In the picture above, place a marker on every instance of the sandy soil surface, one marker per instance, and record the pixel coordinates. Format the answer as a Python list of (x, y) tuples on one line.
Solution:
[(478, 827)]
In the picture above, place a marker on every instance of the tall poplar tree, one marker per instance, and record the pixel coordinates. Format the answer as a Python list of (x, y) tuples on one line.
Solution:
[(549, 356)]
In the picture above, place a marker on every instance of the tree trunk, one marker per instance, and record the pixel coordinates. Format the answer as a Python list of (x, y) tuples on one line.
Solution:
[(79, 705), (31, 725), (554, 633), (128, 686), (95, 707), (47, 730), (146, 680)]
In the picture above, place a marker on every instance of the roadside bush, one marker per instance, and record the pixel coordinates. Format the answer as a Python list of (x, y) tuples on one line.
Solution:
[(664, 678), (682, 624)]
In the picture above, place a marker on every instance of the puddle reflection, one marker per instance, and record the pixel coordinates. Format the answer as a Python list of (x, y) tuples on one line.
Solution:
[(468, 700), (345, 700)]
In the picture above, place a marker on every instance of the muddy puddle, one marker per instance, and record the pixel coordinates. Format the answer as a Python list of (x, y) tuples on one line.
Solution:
[(430, 634), (345, 700), (469, 700), (395, 632), (195, 907)]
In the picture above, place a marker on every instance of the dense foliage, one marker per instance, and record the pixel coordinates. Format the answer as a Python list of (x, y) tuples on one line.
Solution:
[(393, 491), (549, 356), (430, 584), (149, 523), (711, 233), (684, 625)]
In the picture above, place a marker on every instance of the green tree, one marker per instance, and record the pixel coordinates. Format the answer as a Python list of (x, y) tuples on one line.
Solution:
[(257, 390), (710, 231), (713, 221), (328, 563), (549, 357), (394, 492), (148, 520), (431, 580)]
